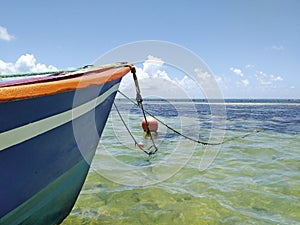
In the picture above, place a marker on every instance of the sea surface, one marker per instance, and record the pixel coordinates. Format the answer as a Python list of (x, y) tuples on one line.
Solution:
[(248, 172)]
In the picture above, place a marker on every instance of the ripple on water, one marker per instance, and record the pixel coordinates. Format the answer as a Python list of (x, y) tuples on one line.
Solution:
[(253, 180)]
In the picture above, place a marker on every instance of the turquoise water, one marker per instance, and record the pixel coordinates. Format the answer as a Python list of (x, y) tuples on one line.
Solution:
[(252, 178)]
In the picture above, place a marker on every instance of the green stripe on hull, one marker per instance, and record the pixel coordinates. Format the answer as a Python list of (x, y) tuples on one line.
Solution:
[(52, 204)]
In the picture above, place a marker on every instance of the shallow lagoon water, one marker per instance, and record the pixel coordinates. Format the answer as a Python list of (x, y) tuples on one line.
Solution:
[(253, 179)]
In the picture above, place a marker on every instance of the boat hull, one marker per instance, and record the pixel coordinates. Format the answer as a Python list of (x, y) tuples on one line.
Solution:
[(42, 171)]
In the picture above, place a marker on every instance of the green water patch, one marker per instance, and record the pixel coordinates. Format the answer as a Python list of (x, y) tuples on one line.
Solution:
[(252, 180)]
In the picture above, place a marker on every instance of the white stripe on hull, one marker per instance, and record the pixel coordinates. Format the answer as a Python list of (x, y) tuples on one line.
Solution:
[(28, 131)]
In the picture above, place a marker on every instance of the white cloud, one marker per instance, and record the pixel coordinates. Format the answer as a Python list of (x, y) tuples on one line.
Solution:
[(275, 78), (26, 63), (267, 79), (277, 47), (190, 87), (4, 35), (219, 79), (208, 82), (185, 82), (152, 64), (237, 71), (203, 75), (245, 82), (252, 82), (154, 81)]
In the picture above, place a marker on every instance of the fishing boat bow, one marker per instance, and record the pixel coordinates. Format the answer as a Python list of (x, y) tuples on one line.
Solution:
[(50, 127)]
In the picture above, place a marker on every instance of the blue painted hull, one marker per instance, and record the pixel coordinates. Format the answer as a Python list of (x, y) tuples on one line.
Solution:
[(42, 174)]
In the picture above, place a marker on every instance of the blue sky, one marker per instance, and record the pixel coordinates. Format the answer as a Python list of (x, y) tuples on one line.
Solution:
[(252, 47)]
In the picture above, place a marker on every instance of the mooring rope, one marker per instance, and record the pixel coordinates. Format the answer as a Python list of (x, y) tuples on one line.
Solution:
[(139, 100), (149, 153), (187, 137)]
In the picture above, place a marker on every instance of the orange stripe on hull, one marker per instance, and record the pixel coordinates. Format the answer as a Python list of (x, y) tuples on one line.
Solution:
[(89, 77)]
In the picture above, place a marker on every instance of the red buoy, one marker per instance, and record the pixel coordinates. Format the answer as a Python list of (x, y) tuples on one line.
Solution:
[(140, 144), (152, 124)]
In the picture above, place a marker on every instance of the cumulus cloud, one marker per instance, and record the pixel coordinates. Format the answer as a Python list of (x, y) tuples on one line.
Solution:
[(4, 35), (152, 65), (251, 81), (267, 79), (237, 71), (203, 75), (186, 82), (275, 78), (245, 82), (155, 82), (26, 63)]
